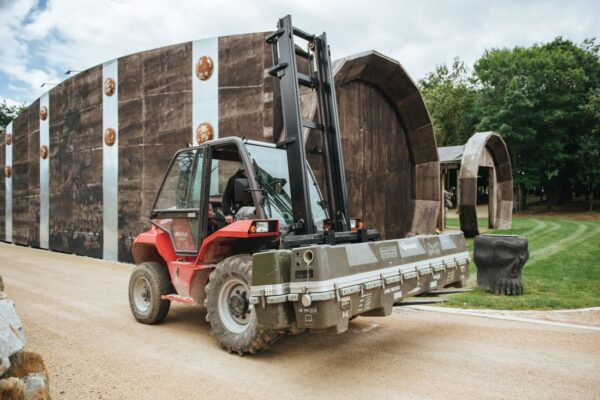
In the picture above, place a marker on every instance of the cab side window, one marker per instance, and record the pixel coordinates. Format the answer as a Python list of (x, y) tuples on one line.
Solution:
[(181, 191), (182, 186)]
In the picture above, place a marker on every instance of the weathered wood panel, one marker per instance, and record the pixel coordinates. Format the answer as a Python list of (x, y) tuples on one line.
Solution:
[(245, 89), (155, 120), (76, 165), (33, 194), (376, 158), (25, 181)]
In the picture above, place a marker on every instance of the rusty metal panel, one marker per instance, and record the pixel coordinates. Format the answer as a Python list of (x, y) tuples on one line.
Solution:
[(110, 160), (44, 173)]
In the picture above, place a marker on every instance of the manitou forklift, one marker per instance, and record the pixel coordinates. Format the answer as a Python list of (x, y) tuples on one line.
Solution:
[(242, 228)]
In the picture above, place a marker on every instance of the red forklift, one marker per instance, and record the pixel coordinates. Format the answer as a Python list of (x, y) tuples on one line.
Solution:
[(242, 228)]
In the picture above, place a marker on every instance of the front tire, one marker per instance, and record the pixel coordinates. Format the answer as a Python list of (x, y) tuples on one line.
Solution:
[(232, 318), (149, 281)]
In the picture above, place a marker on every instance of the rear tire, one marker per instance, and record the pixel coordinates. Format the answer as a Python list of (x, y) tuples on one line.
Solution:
[(149, 281), (231, 317)]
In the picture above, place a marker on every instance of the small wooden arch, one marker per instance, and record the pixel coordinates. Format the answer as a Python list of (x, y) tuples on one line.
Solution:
[(488, 150)]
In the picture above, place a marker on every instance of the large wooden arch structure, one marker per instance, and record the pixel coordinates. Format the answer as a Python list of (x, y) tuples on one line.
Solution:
[(485, 150), (390, 152)]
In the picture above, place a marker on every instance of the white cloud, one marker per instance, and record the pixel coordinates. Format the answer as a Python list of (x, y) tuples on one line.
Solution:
[(38, 46), (11, 102), (14, 49)]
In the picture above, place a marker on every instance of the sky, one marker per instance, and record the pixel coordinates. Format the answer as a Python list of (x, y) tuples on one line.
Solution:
[(41, 39)]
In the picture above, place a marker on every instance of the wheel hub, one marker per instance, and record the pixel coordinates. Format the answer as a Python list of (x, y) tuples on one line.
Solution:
[(234, 305), (142, 295), (239, 304)]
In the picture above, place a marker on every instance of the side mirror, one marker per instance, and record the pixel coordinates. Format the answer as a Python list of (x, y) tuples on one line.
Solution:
[(242, 191)]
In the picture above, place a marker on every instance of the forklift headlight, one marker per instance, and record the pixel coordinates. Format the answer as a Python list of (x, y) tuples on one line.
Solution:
[(262, 226)]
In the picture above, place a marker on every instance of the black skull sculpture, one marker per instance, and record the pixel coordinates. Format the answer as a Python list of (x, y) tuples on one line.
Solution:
[(500, 260)]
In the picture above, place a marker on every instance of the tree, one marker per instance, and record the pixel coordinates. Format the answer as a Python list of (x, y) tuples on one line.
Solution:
[(588, 154), (533, 97), (8, 113), (450, 98)]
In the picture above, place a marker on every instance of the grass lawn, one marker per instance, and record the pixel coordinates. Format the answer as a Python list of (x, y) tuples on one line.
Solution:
[(563, 270)]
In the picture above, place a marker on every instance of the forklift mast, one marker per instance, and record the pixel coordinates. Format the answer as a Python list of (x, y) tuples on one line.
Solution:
[(320, 80)]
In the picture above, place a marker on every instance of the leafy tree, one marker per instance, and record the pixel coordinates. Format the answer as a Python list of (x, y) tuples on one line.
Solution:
[(450, 97), (8, 113), (588, 154), (540, 98), (533, 97)]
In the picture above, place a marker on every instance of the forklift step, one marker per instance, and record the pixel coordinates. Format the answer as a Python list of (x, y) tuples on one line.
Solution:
[(178, 298), (274, 70), (307, 81)]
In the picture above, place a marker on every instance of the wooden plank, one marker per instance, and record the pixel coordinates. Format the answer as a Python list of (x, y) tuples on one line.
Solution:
[(376, 158), (155, 120), (76, 165), (20, 180)]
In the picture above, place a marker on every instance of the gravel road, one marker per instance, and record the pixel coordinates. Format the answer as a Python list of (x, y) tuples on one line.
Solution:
[(76, 314)]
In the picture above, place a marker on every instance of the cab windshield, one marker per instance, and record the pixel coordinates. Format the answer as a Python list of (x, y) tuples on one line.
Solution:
[(271, 167)]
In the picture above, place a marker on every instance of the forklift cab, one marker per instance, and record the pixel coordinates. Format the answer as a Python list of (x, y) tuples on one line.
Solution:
[(246, 179)]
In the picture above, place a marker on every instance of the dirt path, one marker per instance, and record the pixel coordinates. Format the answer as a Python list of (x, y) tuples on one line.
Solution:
[(76, 315)]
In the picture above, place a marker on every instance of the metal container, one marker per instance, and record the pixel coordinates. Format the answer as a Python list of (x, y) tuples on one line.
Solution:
[(328, 285)]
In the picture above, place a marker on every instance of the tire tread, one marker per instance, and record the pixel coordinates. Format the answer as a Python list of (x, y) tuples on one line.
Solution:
[(255, 339)]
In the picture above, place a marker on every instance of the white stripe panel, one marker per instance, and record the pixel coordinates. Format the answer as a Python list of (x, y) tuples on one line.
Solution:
[(205, 94), (110, 165), (8, 222), (45, 175)]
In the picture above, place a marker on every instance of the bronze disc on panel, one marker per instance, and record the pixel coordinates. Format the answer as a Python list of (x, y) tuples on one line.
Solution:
[(8, 139), (7, 171), (109, 86), (43, 152), (204, 132), (204, 68), (43, 113), (110, 136)]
